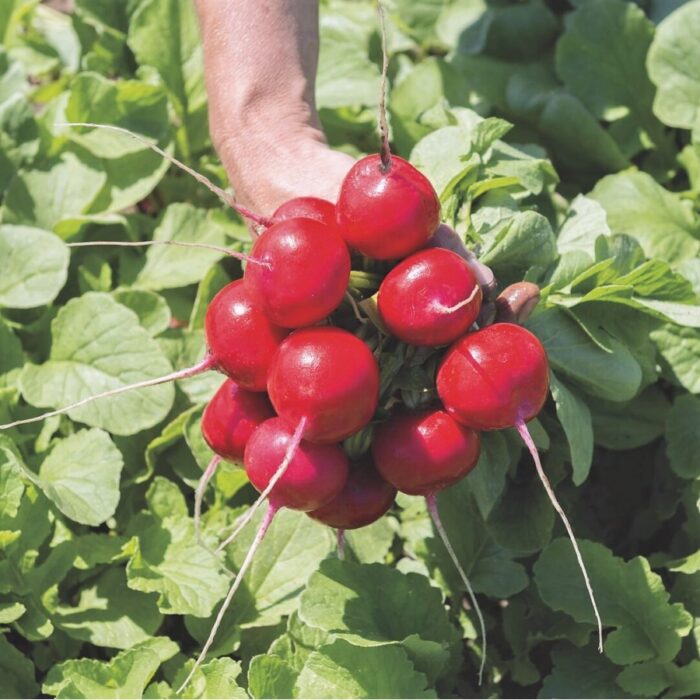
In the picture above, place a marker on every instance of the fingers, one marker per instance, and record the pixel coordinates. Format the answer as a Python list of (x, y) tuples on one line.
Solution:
[(516, 302)]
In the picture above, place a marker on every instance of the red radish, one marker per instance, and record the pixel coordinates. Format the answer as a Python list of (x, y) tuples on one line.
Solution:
[(387, 213), (241, 338), (430, 298), (304, 272), (494, 378), (498, 378), (364, 499), (228, 421), (231, 417), (315, 475), (306, 208), (328, 377), (423, 452)]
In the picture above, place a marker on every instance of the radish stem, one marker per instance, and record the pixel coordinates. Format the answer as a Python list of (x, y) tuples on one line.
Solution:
[(529, 443), (199, 493), (383, 125), (340, 543)]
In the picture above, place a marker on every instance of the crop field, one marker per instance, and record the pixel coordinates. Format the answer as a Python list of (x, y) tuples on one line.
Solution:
[(438, 438)]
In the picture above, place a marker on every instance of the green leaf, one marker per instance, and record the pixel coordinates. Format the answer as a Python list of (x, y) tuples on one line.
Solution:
[(341, 670), (55, 191), (680, 348), (352, 601), (372, 543), (630, 424), (600, 57), (683, 437), (674, 67), (168, 267), (108, 614), (523, 241), (346, 76), (169, 561), (17, 672), (99, 345), (270, 676), (33, 267), (164, 34), (124, 676), (650, 679), (630, 598), (81, 476), (575, 418), (580, 673), (153, 311), (613, 376), (584, 222), (658, 219), (214, 679)]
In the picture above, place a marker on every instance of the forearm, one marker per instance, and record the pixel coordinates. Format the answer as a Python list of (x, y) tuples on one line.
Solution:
[(260, 67)]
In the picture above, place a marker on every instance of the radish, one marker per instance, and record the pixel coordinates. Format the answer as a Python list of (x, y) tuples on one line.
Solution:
[(240, 337), (228, 422), (445, 298), (498, 378), (425, 451), (306, 208), (422, 453), (365, 497), (327, 377), (315, 474), (304, 275), (387, 211)]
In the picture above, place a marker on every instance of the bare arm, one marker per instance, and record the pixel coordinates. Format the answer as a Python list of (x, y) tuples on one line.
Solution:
[(260, 67)]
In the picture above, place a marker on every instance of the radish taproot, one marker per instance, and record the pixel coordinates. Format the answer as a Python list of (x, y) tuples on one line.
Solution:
[(498, 378), (328, 377), (365, 497), (421, 453), (386, 213), (314, 474), (306, 208), (228, 421), (431, 298)]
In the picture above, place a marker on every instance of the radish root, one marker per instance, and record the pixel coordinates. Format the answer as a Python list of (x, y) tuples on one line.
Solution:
[(267, 521), (529, 443), (383, 124), (224, 196), (178, 244), (206, 364), (199, 494), (431, 502), (340, 543), (461, 304), (288, 457)]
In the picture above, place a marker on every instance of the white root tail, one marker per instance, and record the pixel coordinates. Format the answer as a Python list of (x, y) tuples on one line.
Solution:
[(177, 244), (385, 150), (463, 303), (288, 457), (529, 443), (264, 526), (199, 494), (340, 543), (224, 196), (206, 364), (431, 502)]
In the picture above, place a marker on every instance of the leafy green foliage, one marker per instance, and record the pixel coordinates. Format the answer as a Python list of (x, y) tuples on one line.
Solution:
[(564, 142)]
